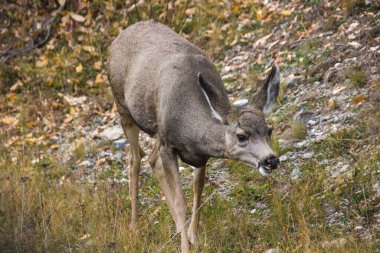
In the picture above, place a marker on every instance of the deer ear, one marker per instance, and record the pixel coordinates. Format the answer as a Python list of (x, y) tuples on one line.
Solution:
[(265, 98), (211, 94)]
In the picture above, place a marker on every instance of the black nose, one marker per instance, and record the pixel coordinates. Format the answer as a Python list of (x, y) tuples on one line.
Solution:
[(272, 162)]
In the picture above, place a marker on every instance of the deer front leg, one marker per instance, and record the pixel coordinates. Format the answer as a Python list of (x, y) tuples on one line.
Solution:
[(168, 175), (198, 183)]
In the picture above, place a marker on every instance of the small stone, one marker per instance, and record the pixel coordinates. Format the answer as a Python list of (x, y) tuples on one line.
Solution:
[(312, 122), (304, 116), (112, 133), (86, 164), (273, 250), (338, 65), (292, 80), (359, 228), (332, 104), (284, 158), (296, 173), (120, 144), (307, 155), (241, 102), (301, 144)]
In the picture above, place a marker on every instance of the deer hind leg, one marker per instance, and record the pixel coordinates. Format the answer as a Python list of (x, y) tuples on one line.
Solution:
[(132, 133), (166, 170), (198, 184)]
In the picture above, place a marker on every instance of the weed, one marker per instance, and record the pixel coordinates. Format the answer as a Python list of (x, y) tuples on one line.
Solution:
[(357, 77)]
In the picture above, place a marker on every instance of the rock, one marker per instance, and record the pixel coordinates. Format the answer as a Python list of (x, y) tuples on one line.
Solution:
[(312, 122), (296, 173), (112, 133), (332, 104), (284, 158), (120, 144), (301, 144), (358, 228), (307, 155), (292, 80), (273, 250), (304, 116), (86, 164), (241, 102)]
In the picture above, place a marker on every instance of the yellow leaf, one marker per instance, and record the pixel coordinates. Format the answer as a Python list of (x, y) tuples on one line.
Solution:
[(30, 124), (236, 10), (79, 68), (98, 65), (31, 140), (259, 15), (286, 13), (72, 111), (99, 79), (54, 146)]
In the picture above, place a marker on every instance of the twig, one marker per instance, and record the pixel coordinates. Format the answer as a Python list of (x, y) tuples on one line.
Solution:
[(11, 53), (179, 231)]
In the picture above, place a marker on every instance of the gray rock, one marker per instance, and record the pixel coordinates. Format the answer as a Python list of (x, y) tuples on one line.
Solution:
[(304, 116), (241, 102), (292, 80), (296, 173), (112, 133), (307, 155), (273, 250), (120, 144)]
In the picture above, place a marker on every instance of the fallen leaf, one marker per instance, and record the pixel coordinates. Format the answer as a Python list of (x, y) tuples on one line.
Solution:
[(79, 68), (339, 89), (331, 104), (355, 44), (358, 99), (99, 79), (61, 2), (98, 65), (72, 111), (259, 15), (77, 17), (286, 13), (9, 120), (54, 146)]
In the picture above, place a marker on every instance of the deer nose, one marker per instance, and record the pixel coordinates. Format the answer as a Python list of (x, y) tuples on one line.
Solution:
[(272, 161)]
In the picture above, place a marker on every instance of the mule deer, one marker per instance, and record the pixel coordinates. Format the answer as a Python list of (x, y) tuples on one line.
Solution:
[(168, 88)]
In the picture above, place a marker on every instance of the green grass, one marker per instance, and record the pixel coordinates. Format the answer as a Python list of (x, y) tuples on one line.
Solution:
[(357, 77)]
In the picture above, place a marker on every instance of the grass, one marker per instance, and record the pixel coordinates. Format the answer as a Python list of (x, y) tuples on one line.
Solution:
[(357, 77)]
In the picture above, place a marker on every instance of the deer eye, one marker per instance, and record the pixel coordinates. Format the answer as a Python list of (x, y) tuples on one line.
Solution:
[(241, 137)]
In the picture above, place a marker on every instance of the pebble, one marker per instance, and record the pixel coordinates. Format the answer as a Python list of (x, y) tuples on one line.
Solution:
[(307, 155), (296, 173), (241, 102), (120, 144), (112, 133)]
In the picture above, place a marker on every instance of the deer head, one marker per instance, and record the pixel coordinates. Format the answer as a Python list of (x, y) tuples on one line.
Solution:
[(248, 137)]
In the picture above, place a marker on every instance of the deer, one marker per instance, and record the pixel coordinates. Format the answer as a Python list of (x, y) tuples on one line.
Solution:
[(167, 87)]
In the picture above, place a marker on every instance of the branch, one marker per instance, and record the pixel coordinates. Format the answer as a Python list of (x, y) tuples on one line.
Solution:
[(33, 43)]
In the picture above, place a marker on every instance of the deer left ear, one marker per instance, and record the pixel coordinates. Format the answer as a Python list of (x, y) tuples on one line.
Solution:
[(266, 97)]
